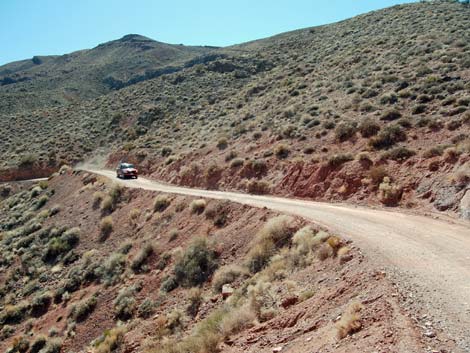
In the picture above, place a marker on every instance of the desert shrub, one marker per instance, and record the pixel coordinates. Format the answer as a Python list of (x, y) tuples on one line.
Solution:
[(325, 251), (27, 160), (218, 213), (236, 163), (138, 262), (169, 283), (390, 115), (451, 154), (125, 304), (61, 244), (418, 109), (106, 227), (377, 174), (196, 264), (110, 340), (38, 343), (350, 321), (14, 314), (146, 308), (81, 310), (40, 202), (40, 303), (304, 240), (390, 98), (337, 160), (344, 131), (399, 154), (273, 235), (435, 151), (6, 332), (110, 271), (198, 206), (195, 300), (98, 197), (110, 201), (134, 215), (461, 176), (281, 151), (369, 127), (389, 136), (238, 320), (19, 344), (222, 143), (389, 193), (226, 275), (258, 187), (160, 203)]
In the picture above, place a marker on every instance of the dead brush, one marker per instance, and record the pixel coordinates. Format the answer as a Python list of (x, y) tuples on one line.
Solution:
[(350, 321)]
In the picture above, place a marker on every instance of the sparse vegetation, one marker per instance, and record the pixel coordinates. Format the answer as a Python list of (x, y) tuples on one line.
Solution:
[(197, 206), (196, 263)]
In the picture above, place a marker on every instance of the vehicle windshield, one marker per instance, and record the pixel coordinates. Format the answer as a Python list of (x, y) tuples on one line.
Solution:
[(127, 165)]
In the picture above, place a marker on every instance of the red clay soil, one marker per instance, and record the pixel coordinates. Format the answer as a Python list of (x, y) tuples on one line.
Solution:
[(308, 326)]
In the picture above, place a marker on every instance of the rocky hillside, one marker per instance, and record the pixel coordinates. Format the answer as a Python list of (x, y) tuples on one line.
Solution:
[(57, 80), (338, 112), (87, 266)]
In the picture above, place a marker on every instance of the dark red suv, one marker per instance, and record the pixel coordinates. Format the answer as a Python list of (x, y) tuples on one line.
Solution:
[(126, 170)]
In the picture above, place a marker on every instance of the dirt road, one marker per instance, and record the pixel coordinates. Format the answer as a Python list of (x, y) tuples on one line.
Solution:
[(429, 258)]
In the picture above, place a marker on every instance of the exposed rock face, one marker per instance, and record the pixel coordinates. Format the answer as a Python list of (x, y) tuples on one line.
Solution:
[(465, 205), (446, 198)]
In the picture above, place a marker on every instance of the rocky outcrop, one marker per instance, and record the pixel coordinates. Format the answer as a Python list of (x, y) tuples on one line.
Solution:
[(465, 205)]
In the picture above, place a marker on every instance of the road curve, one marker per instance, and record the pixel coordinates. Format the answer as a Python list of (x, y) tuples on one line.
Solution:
[(431, 256)]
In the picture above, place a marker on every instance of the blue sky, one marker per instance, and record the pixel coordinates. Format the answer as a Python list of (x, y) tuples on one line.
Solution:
[(43, 27)]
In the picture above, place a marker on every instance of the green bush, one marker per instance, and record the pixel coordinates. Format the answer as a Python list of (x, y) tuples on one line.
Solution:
[(338, 160), (399, 154), (81, 310), (369, 127), (389, 136), (196, 264), (344, 131)]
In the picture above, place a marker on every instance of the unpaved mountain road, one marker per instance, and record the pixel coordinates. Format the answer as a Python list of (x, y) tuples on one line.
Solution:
[(428, 258)]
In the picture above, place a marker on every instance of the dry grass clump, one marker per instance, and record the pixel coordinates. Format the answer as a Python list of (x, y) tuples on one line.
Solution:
[(369, 127), (350, 321), (106, 227), (236, 162), (110, 201), (345, 131), (81, 310), (195, 300), (197, 206), (259, 187), (138, 263), (238, 320), (110, 340), (226, 275), (134, 215), (462, 175), (160, 203), (275, 234), (338, 160), (281, 151)]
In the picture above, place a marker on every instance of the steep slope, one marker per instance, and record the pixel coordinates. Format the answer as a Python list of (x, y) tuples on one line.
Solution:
[(325, 113), (52, 80), (88, 266)]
